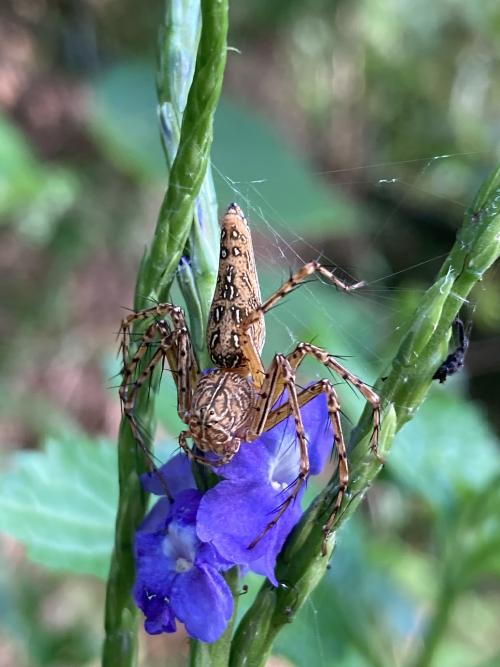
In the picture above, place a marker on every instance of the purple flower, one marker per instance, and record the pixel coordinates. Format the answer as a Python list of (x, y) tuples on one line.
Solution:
[(177, 576), (257, 481), (184, 544)]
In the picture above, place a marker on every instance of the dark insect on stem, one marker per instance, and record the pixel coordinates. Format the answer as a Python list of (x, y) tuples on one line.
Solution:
[(454, 362)]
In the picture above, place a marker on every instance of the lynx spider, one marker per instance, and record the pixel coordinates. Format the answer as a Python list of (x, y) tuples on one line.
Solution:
[(233, 402)]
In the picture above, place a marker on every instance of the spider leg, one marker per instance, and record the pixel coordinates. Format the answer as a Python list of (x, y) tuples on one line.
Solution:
[(266, 418), (329, 361), (296, 279), (249, 349), (129, 392), (253, 359), (179, 353), (273, 387), (264, 381), (175, 346), (150, 336), (281, 367), (158, 311), (333, 405), (140, 435)]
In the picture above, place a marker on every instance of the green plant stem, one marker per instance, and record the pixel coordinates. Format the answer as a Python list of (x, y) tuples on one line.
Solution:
[(196, 275), (402, 389), (192, 157), (156, 274), (120, 645)]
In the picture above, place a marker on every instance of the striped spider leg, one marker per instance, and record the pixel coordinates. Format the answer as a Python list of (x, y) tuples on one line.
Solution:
[(281, 375), (156, 313), (167, 343)]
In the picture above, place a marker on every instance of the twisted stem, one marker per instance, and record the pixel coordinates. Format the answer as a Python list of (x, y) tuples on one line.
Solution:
[(155, 278)]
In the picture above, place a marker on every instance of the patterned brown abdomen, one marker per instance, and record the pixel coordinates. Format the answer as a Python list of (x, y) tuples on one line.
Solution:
[(236, 294)]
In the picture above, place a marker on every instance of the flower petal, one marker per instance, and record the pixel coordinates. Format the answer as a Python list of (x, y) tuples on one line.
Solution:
[(282, 440), (233, 514), (185, 506), (176, 473), (153, 571), (202, 600), (208, 555), (257, 460), (253, 462), (156, 608), (179, 546), (157, 517), (153, 581), (161, 622)]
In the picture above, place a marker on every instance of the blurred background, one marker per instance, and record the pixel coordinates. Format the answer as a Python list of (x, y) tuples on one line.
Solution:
[(355, 132)]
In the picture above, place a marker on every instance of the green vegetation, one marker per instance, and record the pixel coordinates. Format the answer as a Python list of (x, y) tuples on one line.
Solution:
[(359, 132)]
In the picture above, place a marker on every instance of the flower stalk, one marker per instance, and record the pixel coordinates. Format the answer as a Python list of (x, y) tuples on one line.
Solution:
[(197, 271), (156, 274)]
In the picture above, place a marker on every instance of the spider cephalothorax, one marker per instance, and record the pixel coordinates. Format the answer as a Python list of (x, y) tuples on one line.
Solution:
[(235, 401), (221, 412)]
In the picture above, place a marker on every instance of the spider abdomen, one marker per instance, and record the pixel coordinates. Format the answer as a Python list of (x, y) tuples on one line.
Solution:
[(220, 412), (236, 294)]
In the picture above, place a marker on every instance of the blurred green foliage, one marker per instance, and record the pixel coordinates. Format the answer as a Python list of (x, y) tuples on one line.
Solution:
[(61, 503), (260, 166), (38, 196), (372, 91), (125, 125)]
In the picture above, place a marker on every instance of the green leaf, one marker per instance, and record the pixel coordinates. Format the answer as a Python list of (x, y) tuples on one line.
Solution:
[(61, 503), (448, 450), (471, 535)]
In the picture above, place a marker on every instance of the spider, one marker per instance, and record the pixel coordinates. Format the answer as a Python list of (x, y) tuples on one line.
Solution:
[(234, 401), (454, 362)]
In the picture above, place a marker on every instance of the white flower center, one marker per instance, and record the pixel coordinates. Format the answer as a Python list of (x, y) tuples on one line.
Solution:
[(180, 546), (183, 565), (285, 466)]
